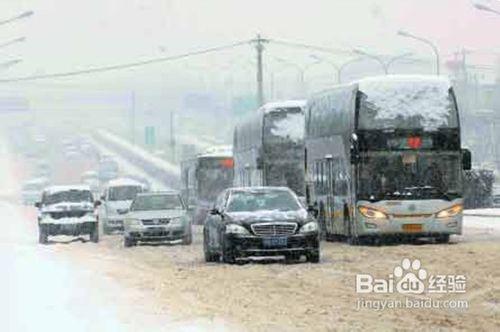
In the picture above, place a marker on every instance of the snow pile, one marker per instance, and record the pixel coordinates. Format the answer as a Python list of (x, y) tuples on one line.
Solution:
[(425, 99), (290, 127)]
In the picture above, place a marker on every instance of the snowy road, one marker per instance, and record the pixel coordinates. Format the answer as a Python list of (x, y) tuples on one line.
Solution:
[(48, 288), (105, 287)]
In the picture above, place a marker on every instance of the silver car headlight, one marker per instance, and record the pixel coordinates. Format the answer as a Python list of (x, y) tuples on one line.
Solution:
[(310, 227), (131, 222), (178, 221), (236, 229)]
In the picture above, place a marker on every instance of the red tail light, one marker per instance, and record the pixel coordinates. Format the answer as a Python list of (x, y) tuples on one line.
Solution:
[(228, 163), (414, 142)]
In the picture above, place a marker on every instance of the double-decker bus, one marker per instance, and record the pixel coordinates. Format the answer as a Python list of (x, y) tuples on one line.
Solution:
[(384, 157), (203, 177), (268, 147)]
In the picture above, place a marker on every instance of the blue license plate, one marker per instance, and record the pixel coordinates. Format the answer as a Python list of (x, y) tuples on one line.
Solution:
[(275, 242)]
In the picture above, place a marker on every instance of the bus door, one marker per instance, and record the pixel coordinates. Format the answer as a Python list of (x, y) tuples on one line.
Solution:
[(330, 196)]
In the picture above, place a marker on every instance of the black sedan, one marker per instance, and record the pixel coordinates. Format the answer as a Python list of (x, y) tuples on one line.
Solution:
[(259, 221)]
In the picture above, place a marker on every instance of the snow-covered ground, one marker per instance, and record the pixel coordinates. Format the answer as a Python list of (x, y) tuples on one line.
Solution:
[(43, 288), (81, 286), (128, 168), (483, 213)]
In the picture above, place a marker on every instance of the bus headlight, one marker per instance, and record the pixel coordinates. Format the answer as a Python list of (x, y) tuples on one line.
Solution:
[(372, 213), (236, 229), (450, 212)]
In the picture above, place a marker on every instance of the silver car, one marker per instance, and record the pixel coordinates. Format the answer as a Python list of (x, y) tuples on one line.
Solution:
[(157, 217)]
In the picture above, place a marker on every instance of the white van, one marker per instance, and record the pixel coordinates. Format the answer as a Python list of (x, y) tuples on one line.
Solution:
[(115, 202)]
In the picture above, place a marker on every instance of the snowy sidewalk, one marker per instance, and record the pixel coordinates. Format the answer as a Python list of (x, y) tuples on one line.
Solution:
[(483, 213)]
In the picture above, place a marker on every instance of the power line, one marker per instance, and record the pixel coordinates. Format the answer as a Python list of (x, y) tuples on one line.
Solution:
[(308, 46), (126, 65)]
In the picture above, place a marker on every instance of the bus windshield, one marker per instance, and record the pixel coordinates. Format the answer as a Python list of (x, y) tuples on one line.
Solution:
[(400, 175), (214, 175), (284, 125)]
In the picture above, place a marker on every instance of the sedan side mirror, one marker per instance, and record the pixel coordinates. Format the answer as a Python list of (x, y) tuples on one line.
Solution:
[(103, 198), (38, 205), (313, 210), (466, 160), (214, 211), (97, 203)]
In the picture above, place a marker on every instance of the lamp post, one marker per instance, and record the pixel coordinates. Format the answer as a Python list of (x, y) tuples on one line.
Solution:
[(338, 68), (10, 63), (425, 41), (25, 14), (300, 69), (13, 41), (385, 64), (481, 5)]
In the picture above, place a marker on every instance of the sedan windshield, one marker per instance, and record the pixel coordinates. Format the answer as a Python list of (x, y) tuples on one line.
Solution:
[(73, 196), (124, 193), (157, 202), (248, 201)]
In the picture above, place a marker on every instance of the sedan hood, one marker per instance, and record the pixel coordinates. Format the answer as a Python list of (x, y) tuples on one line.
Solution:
[(157, 214), (248, 218)]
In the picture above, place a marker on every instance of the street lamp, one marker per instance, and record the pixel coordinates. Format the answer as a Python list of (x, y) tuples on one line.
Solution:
[(483, 6), (10, 63), (13, 41), (338, 68), (425, 41), (385, 64), (25, 14), (301, 70), (374, 57)]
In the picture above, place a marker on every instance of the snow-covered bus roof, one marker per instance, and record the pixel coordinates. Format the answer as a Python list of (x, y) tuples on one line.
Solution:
[(122, 182), (276, 105), (414, 100), (223, 151)]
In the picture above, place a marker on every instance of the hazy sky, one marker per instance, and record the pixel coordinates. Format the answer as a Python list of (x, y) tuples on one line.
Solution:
[(76, 34)]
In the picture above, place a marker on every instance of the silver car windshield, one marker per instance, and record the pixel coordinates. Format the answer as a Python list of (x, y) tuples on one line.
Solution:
[(157, 202)]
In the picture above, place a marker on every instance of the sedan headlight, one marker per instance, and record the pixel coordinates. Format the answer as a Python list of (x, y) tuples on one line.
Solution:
[(310, 227), (133, 222), (372, 213), (236, 229), (450, 212)]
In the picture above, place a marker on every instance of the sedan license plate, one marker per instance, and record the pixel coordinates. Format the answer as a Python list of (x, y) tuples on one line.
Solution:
[(275, 242), (412, 228)]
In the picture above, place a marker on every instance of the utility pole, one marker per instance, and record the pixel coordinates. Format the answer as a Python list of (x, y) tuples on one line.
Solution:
[(132, 116), (259, 46), (172, 135)]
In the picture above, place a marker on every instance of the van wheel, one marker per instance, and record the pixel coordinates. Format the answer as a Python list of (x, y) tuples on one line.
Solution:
[(43, 237), (128, 242)]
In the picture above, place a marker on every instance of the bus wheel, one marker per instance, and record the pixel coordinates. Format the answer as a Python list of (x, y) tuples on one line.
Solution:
[(353, 240), (442, 238)]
